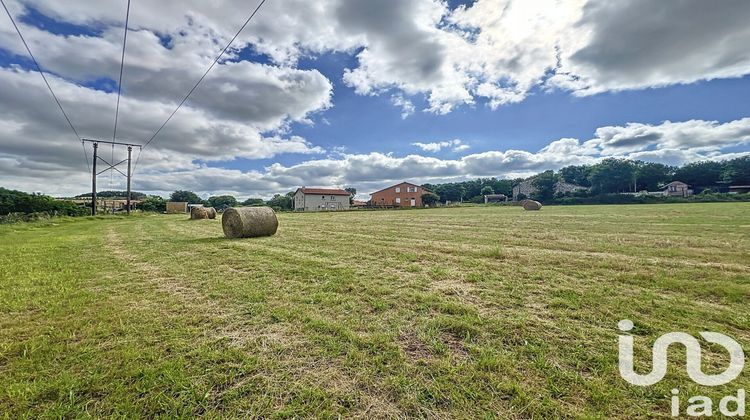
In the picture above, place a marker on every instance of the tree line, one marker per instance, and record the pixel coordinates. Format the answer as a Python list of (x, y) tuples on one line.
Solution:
[(610, 176)]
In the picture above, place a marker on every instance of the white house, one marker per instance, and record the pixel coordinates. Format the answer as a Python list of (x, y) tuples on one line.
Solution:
[(321, 199)]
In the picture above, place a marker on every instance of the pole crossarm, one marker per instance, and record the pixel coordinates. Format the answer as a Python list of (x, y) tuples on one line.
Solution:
[(113, 142), (110, 167)]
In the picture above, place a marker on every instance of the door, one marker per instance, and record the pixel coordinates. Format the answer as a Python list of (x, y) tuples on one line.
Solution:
[(413, 202)]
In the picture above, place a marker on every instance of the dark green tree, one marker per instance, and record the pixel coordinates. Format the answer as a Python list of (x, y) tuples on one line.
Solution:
[(737, 171), (487, 190), (544, 185), (651, 176), (430, 198), (254, 202), (153, 203), (222, 201), (578, 175), (352, 193), (282, 202), (700, 175), (185, 196), (612, 176)]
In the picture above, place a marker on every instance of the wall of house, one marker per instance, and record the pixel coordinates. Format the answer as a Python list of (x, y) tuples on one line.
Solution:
[(399, 196), (320, 202)]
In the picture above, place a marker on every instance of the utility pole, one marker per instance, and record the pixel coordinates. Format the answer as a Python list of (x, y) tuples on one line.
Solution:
[(93, 182), (130, 151), (111, 167)]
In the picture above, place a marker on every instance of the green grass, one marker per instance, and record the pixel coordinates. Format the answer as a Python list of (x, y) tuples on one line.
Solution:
[(464, 312)]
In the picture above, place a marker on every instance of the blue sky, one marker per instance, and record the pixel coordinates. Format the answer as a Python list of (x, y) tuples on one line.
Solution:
[(314, 94)]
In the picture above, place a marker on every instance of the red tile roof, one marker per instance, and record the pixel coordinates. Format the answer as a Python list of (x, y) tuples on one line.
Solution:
[(324, 191)]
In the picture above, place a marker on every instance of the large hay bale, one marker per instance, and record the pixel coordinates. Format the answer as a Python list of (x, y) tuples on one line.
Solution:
[(211, 212), (198, 213), (249, 222), (531, 205)]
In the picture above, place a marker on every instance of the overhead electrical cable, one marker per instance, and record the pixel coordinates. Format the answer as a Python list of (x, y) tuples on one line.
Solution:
[(202, 77), (119, 91), (39, 69)]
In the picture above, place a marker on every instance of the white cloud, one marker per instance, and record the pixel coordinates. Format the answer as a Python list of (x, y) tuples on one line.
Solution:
[(497, 51), (494, 50), (455, 145), (407, 107)]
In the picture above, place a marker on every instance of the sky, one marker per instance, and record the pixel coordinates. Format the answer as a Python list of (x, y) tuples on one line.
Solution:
[(364, 94)]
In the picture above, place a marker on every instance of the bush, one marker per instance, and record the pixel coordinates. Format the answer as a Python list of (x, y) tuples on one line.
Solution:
[(154, 203), (12, 201)]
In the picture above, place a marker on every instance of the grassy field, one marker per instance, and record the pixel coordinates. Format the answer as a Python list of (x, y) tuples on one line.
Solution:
[(463, 312)]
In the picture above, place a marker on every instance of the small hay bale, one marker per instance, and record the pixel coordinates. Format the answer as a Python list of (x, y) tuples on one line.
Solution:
[(531, 205), (249, 222), (211, 212), (198, 213)]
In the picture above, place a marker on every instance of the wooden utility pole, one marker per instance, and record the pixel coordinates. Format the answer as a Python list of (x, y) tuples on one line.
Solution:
[(93, 181), (130, 152), (110, 167)]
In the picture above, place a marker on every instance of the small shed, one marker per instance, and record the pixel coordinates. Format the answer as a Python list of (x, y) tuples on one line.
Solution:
[(739, 189), (495, 198), (177, 207)]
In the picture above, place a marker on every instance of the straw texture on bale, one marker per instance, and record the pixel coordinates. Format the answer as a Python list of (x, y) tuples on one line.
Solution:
[(198, 213), (249, 222), (211, 212), (532, 205)]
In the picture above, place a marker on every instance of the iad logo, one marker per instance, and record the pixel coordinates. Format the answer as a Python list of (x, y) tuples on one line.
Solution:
[(701, 405)]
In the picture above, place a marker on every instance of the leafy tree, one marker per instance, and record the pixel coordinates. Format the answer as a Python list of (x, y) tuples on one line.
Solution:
[(12, 201), (282, 202), (430, 198), (254, 202), (352, 193), (651, 176), (612, 176), (544, 184), (154, 203), (222, 201), (737, 171), (578, 175), (450, 192), (185, 196), (700, 175), (487, 190)]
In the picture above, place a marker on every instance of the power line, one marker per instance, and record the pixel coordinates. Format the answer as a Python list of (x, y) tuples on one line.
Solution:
[(122, 65), (204, 75), (39, 69), (119, 91)]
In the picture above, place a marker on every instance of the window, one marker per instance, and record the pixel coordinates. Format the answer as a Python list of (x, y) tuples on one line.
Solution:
[(411, 189), (398, 189), (398, 200)]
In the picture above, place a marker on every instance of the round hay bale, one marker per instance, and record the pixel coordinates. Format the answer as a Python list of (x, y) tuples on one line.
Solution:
[(531, 205), (249, 222), (198, 213), (211, 212)]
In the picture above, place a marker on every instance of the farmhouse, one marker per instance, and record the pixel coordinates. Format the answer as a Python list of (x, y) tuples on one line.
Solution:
[(321, 199), (404, 194), (527, 189), (677, 189)]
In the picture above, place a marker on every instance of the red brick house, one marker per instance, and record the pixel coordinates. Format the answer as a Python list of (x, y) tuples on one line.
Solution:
[(404, 194)]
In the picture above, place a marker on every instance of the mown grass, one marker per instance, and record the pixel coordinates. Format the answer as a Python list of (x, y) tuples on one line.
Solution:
[(464, 312)]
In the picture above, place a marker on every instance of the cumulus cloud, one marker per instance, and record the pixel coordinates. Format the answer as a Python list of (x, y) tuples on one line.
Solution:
[(495, 51), (455, 145)]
